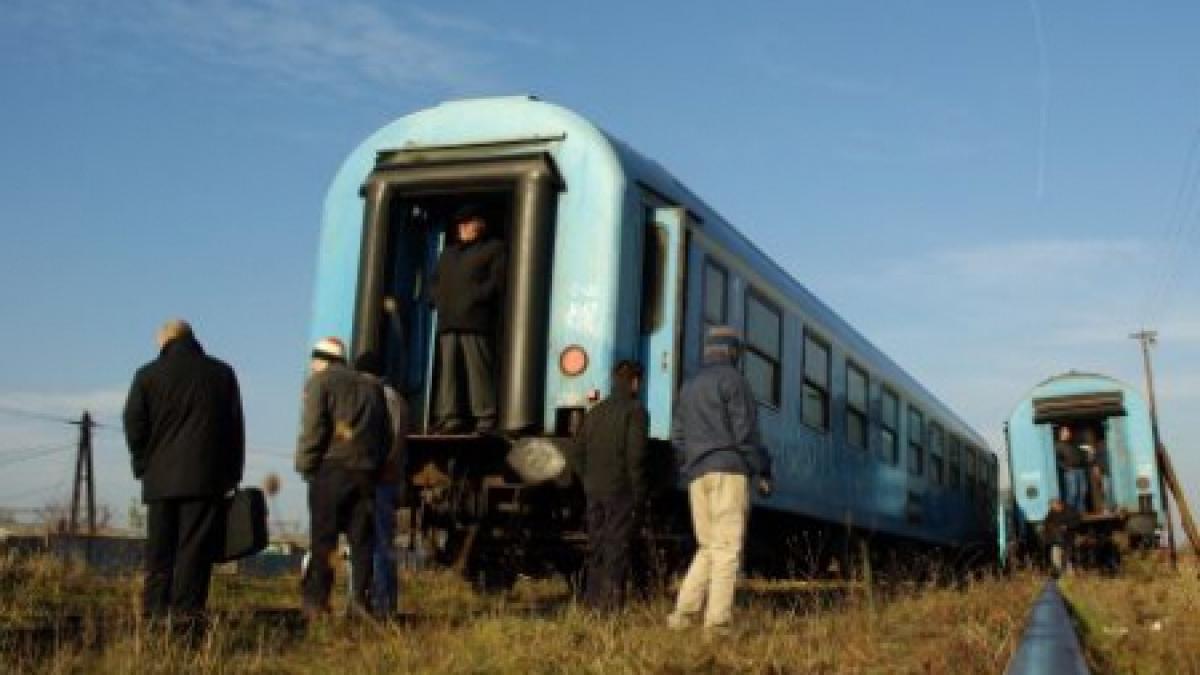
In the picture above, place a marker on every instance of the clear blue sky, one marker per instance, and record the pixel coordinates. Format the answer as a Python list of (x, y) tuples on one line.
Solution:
[(993, 192)]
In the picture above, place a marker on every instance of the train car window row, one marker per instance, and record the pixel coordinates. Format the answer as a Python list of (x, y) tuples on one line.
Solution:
[(916, 441), (936, 448), (858, 385), (764, 338), (814, 409), (889, 424)]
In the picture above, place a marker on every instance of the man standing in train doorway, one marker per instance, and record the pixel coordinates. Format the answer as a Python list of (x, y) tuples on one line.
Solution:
[(610, 460), (1072, 462), (468, 289), (715, 428)]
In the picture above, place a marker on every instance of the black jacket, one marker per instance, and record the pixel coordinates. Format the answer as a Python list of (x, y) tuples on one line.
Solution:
[(468, 286), (610, 446), (183, 424), (715, 426), (344, 421), (1069, 455)]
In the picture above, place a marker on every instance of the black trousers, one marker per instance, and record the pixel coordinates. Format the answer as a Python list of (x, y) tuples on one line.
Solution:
[(610, 522), (183, 539), (339, 501), (465, 362)]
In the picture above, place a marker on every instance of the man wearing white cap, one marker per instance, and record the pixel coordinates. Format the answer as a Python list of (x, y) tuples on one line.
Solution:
[(345, 435)]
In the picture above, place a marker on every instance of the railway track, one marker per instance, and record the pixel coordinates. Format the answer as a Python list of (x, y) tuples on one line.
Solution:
[(1049, 645)]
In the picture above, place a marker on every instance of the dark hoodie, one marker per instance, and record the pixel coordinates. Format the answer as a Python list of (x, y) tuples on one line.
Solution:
[(611, 446), (715, 427)]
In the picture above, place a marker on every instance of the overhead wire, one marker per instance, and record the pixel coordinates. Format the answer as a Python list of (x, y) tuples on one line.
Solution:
[(9, 461), (1175, 237)]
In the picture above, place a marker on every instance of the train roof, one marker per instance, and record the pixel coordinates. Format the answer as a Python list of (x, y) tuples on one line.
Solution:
[(532, 121), (654, 173), (1073, 382)]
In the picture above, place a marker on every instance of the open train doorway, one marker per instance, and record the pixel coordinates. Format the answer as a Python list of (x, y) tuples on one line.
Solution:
[(422, 227), (410, 200)]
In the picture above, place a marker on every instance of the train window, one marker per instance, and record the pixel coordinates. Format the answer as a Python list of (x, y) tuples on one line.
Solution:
[(815, 405), (916, 441), (856, 406), (716, 295), (969, 469), (764, 336), (936, 445), (654, 264), (889, 422), (953, 475)]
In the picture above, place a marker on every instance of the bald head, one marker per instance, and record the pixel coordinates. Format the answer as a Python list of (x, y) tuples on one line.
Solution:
[(174, 329)]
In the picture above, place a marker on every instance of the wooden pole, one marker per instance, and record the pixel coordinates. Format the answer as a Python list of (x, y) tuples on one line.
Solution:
[(1148, 338)]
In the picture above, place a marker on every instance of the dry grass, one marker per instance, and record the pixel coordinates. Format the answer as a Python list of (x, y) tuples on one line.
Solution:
[(1146, 621), (536, 629)]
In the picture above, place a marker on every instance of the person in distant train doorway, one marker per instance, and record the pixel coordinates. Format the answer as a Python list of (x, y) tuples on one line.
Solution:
[(1097, 467), (385, 587), (184, 426), (1072, 462), (345, 436), (715, 429), (1058, 535), (467, 287), (610, 460)]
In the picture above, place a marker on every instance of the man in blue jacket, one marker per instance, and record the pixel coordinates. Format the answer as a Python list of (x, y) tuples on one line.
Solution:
[(715, 429)]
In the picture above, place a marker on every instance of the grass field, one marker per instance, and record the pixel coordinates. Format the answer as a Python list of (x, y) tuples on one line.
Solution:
[(1141, 622), (1145, 621)]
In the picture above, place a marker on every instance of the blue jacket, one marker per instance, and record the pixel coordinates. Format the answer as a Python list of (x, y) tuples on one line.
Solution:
[(715, 427)]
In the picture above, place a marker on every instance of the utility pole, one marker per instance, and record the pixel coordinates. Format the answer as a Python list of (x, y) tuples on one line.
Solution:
[(84, 476), (1148, 338)]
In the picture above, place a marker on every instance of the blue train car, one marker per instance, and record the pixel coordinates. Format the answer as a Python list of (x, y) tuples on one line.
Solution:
[(1111, 419), (611, 257)]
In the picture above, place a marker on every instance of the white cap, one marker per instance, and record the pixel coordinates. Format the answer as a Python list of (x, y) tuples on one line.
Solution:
[(329, 348)]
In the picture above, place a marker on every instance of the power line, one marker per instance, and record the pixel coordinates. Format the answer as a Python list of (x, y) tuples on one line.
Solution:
[(34, 448), (29, 414), (34, 491), (9, 461)]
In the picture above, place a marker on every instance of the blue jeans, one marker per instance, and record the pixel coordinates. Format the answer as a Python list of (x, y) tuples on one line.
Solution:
[(385, 589), (1075, 489)]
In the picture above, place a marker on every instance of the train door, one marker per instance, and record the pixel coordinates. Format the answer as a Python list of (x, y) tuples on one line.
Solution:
[(663, 287)]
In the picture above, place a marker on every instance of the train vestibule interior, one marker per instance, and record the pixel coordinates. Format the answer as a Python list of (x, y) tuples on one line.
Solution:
[(1090, 437), (419, 229)]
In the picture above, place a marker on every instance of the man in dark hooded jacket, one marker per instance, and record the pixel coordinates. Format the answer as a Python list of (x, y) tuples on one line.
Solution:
[(715, 430), (467, 289), (610, 458), (183, 424)]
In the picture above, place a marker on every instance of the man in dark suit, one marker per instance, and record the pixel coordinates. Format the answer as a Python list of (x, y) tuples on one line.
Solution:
[(467, 290), (183, 424)]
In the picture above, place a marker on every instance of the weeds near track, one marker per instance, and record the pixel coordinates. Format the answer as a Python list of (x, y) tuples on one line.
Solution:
[(1147, 620), (784, 627)]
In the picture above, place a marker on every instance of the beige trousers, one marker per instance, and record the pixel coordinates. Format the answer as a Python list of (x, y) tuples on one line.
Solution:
[(720, 507)]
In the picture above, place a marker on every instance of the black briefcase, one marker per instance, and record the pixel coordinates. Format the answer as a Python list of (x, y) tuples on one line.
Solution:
[(245, 524)]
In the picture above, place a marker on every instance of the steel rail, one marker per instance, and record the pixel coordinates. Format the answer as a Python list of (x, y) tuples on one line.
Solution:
[(1049, 645)]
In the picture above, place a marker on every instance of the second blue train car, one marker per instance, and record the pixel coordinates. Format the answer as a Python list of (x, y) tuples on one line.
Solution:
[(1112, 421), (611, 257)]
